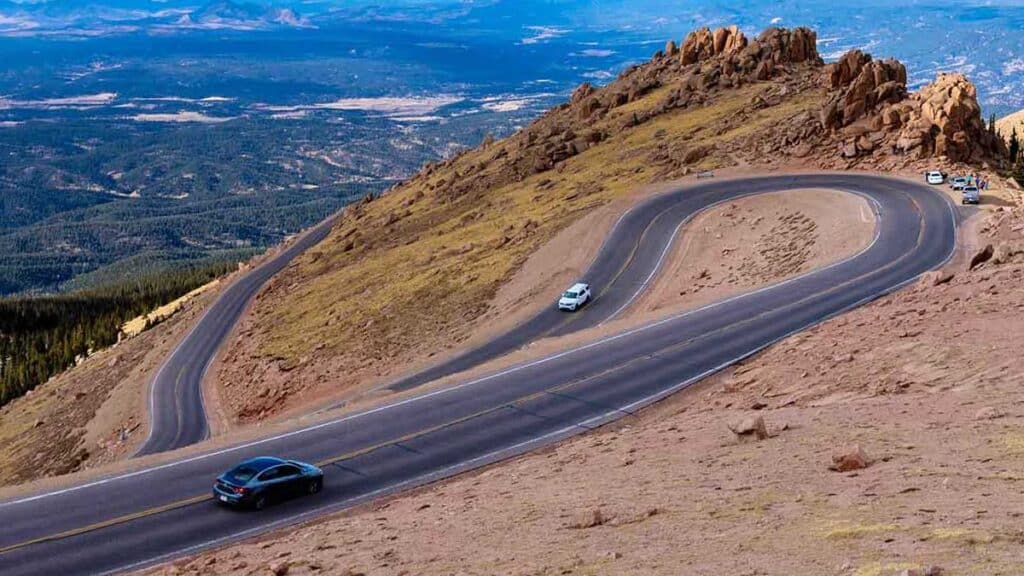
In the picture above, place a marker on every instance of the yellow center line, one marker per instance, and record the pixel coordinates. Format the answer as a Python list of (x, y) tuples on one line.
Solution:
[(107, 523), (519, 400), (615, 278)]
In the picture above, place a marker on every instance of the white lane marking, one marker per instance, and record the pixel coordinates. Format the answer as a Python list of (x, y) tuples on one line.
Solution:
[(866, 218), (657, 267), (159, 373), (772, 286), (675, 236), (611, 232), (414, 399), (510, 451)]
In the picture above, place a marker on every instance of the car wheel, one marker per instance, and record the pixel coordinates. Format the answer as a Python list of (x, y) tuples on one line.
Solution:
[(315, 486), (260, 503)]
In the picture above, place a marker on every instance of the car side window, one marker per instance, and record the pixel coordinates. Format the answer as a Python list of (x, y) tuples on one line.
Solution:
[(270, 474), (287, 470)]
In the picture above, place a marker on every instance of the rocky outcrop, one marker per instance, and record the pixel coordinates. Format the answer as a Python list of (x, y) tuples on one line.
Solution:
[(944, 119), (755, 60), (859, 84), (704, 63), (868, 116), (776, 45), (869, 108)]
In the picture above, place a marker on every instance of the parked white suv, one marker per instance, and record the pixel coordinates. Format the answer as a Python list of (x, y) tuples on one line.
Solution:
[(575, 297), (935, 177)]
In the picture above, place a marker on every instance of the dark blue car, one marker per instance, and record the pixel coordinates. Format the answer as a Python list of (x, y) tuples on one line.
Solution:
[(260, 481)]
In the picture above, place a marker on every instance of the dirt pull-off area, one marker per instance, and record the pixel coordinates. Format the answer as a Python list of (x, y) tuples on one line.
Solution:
[(887, 441), (757, 241)]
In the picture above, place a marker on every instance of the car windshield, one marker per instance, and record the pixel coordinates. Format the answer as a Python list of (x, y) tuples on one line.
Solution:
[(569, 294), (241, 474)]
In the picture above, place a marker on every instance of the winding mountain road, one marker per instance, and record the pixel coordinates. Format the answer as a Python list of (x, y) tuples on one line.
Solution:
[(176, 409), (137, 519)]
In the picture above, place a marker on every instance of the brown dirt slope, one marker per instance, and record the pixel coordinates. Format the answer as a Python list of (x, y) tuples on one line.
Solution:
[(411, 274), (90, 414), (96, 412), (924, 387)]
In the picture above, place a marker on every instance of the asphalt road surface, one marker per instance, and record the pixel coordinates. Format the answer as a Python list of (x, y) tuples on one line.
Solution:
[(177, 413), (155, 514)]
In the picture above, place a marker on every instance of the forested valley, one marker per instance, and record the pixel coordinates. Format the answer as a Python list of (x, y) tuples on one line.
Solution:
[(41, 336)]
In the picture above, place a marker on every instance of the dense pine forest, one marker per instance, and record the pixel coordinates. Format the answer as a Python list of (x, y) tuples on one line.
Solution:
[(42, 335)]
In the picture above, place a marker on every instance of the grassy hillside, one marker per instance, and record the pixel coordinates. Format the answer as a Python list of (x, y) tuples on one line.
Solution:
[(410, 246), (424, 260), (406, 275)]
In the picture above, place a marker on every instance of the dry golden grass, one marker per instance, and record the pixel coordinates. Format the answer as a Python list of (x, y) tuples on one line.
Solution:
[(136, 325), (847, 530), (374, 288), (885, 568)]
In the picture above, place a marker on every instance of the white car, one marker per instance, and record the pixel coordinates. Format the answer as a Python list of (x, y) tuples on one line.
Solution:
[(575, 297), (935, 177)]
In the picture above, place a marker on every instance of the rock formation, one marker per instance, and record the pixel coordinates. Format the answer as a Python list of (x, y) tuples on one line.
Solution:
[(734, 57), (859, 84), (869, 108)]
